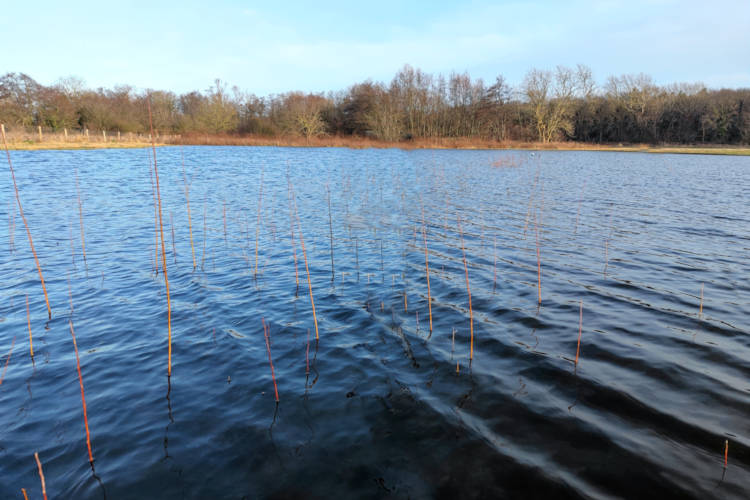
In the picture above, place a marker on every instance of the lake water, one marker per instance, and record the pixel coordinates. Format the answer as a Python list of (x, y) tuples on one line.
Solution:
[(651, 251)]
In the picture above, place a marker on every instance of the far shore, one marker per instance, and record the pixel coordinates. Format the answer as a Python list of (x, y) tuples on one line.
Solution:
[(365, 143)]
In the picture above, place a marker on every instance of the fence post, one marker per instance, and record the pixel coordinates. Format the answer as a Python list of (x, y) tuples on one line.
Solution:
[(87, 134), (2, 129), (118, 136), (40, 133), (65, 132), (104, 135)]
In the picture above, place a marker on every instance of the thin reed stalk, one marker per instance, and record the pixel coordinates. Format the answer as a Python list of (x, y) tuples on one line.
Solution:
[(190, 220), (494, 264), (726, 453), (28, 321), (83, 396), (7, 360), (468, 290), (174, 247), (307, 270), (266, 329), (700, 309), (291, 228), (538, 262), (330, 228), (580, 329), (163, 248), (11, 226), (25, 496), (80, 218), (41, 475), (203, 255), (156, 216), (257, 223), (427, 271), (578, 213), (26, 224), (224, 217)]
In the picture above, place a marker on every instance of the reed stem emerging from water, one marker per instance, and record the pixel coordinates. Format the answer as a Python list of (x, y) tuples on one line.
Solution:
[(266, 329), (307, 270), (700, 310), (41, 475), (25, 496), (163, 248), (427, 272), (83, 396), (80, 218), (468, 290), (330, 228), (726, 453), (25, 223)]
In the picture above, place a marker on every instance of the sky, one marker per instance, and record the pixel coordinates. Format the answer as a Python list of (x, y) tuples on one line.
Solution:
[(272, 47)]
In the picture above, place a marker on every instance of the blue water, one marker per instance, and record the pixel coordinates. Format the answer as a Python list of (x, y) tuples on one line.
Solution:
[(658, 389)]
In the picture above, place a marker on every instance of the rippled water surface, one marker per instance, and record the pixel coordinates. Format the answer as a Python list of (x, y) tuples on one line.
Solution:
[(650, 254)]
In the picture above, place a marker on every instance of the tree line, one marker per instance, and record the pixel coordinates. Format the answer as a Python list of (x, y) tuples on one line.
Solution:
[(564, 104)]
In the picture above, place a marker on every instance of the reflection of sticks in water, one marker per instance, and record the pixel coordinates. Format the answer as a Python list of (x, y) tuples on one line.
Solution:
[(307, 353), (83, 397), (453, 342), (80, 217), (580, 329), (28, 321), (700, 310), (330, 227), (163, 248), (7, 360), (307, 270), (468, 290), (26, 224), (171, 419), (98, 480), (266, 329), (41, 475)]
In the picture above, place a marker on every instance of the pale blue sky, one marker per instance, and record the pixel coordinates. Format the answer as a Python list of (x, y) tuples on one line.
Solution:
[(268, 47)]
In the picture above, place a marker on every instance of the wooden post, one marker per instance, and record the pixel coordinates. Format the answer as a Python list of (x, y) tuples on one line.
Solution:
[(40, 132), (65, 132), (118, 136), (104, 135), (2, 129), (87, 134)]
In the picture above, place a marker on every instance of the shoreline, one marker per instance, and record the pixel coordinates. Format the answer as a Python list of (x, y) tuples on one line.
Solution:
[(364, 143)]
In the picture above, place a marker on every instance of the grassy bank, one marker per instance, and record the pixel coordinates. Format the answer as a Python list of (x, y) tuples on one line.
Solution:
[(57, 141)]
